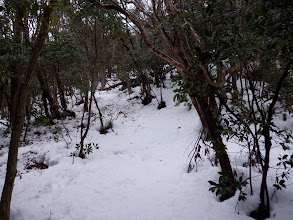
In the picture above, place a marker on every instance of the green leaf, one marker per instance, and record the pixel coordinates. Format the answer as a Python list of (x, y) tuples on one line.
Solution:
[(212, 183)]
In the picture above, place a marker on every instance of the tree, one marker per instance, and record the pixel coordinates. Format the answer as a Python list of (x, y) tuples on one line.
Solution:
[(262, 47), (257, 38), (183, 48), (19, 101)]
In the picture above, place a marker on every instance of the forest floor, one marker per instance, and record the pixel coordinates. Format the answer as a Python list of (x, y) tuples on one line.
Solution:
[(138, 172)]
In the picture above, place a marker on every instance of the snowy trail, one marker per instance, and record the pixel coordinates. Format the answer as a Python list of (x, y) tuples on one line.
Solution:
[(139, 171)]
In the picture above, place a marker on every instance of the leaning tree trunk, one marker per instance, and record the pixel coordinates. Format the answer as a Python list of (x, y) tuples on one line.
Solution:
[(206, 108), (19, 117), (54, 107), (18, 122)]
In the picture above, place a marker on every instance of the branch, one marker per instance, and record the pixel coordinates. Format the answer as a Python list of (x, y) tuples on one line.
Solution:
[(195, 35), (278, 89), (161, 26), (222, 81), (44, 29), (143, 34)]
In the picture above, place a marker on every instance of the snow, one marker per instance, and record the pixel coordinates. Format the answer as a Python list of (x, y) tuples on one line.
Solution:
[(138, 172)]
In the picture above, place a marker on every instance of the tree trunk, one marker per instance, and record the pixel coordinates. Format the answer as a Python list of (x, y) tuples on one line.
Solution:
[(18, 122), (206, 108), (55, 89), (86, 101), (20, 98), (103, 79), (15, 84), (61, 93), (263, 210), (45, 105), (157, 78), (60, 89), (102, 130), (4, 97), (128, 85), (2, 89), (83, 135), (54, 107), (146, 90)]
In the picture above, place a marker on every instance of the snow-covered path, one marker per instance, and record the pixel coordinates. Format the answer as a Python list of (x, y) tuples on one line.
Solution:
[(139, 171)]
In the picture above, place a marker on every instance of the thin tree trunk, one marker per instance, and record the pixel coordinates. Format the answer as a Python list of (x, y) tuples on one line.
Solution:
[(54, 107), (263, 210), (86, 101), (5, 98), (45, 105), (102, 130), (28, 117), (12, 156), (15, 84), (2, 88), (103, 79), (83, 135), (55, 89), (146, 90), (60, 89), (264, 207), (128, 85)]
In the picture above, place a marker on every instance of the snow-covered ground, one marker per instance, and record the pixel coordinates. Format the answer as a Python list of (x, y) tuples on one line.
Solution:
[(138, 172)]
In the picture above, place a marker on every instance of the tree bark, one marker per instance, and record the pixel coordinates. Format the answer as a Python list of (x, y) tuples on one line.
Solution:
[(86, 101), (83, 135), (103, 80), (128, 84), (264, 207), (102, 130), (61, 90), (3, 94), (45, 105), (54, 107), (206, 108)]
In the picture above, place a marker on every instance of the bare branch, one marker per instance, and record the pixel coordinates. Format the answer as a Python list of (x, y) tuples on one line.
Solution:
[(195, 35), (278, 89)]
